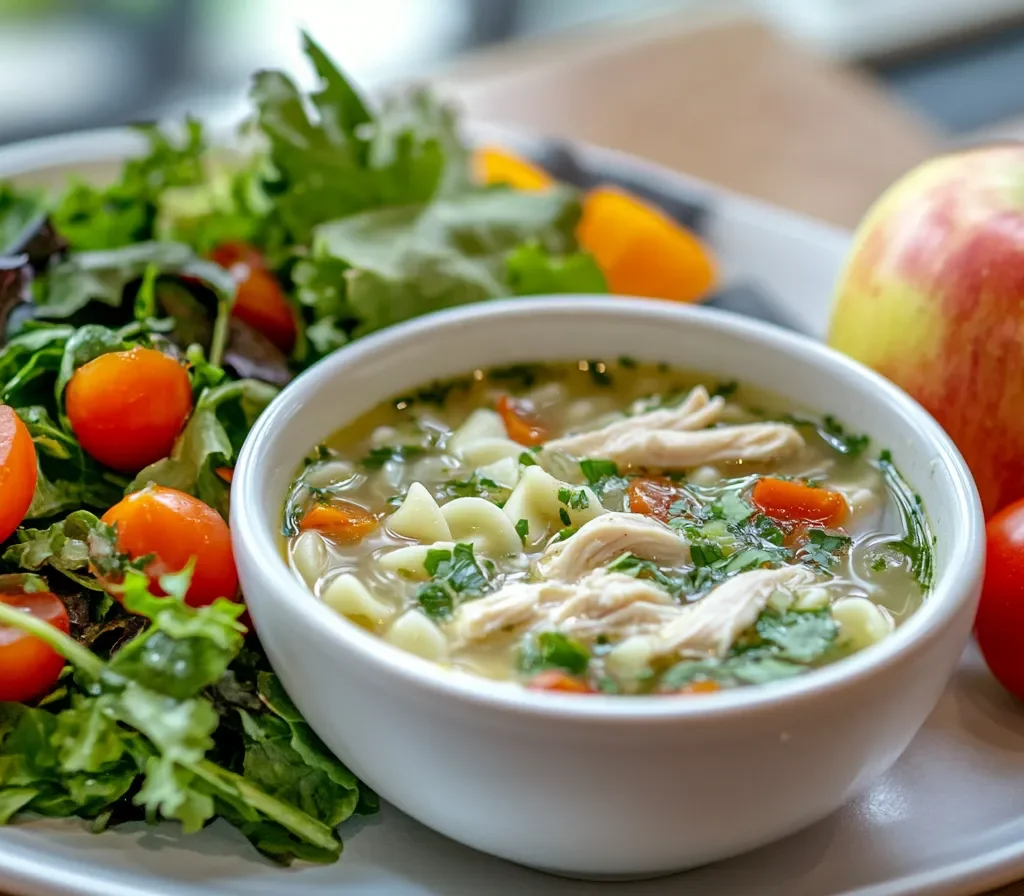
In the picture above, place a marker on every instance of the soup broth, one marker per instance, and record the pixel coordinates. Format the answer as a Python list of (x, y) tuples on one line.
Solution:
[(609, 527)]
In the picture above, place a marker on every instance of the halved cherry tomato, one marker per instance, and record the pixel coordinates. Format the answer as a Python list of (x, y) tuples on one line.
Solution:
[(653, 497), (493, 165), (18, 471), (339, 521), (259, 301), (999, 625), (127, 408), (177, 528), (516, 417), (795, 502), (556, 680), (29, 668)]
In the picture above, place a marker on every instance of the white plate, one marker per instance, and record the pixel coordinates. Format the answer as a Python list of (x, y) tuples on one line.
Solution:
[(945, 820)]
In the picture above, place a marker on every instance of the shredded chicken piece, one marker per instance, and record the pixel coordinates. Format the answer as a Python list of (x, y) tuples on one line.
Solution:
[(676, 438), (608, 537), (620, 606), (515, 606), (696, 412), (710, 626)]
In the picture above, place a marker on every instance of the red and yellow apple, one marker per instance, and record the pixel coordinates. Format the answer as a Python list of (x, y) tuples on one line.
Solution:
[(932, 297)]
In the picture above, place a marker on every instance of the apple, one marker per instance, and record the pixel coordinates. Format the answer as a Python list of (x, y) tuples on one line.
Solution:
[(932, 297)]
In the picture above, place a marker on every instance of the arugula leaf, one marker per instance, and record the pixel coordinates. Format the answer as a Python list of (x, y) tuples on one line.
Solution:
[(553, 650), (64, 546), (531, 270), (94, 218), (221, 420)]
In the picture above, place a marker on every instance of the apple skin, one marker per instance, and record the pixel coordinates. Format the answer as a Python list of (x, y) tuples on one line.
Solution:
[(932, 297)]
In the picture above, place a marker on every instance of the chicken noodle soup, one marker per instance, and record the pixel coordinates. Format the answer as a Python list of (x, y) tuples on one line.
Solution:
[(609, 527)]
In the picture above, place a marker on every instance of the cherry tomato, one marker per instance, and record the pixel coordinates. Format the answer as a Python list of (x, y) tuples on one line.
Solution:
[(999, 625), (127, 408), (177, 528), (18, 471), (259, 301), (29, 668), (519, 423), (555, 680)]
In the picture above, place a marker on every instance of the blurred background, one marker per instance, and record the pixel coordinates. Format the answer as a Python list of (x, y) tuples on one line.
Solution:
[(696, 84)]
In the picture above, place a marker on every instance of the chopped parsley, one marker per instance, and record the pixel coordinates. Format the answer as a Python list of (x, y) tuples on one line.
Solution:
[(563, 515), (731, 508), (595, 470), (553, 650), (476, 486), (319, 454), (744, 668), (523, 529), (455, 574), (436, 393), (726, 389), (823, 549), (377, 457), (917, 543), (573, 498), (706, 553), (800, 636), (521, 376), (527, 459), (848, 443), (627, 362)]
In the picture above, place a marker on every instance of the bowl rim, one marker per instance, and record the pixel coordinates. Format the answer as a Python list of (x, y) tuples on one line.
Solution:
[(256, 537)]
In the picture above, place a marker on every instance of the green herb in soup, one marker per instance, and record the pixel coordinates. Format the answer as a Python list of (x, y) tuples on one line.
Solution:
[(602, 527)]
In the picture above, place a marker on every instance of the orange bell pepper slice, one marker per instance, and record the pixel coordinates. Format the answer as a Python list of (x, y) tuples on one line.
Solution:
[(492, 165), (641, 251)]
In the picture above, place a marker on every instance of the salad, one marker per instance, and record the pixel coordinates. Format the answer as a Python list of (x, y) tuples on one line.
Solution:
[(144, 326)]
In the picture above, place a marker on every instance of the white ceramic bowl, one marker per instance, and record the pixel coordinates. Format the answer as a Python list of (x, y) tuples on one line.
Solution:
[(603, 785)]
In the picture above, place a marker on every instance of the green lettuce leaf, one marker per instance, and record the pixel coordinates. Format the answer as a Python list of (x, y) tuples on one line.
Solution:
[(410, 260), (532, 271)]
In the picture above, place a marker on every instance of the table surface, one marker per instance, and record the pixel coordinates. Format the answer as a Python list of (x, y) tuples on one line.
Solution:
[(726, 101)]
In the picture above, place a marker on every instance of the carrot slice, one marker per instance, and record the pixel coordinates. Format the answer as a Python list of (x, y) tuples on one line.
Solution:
[(641, 251), (706, 686), (225, 473), (652, 497), (553, 680), (492, 165), (795, 502), (518, 424), (339, 521)]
